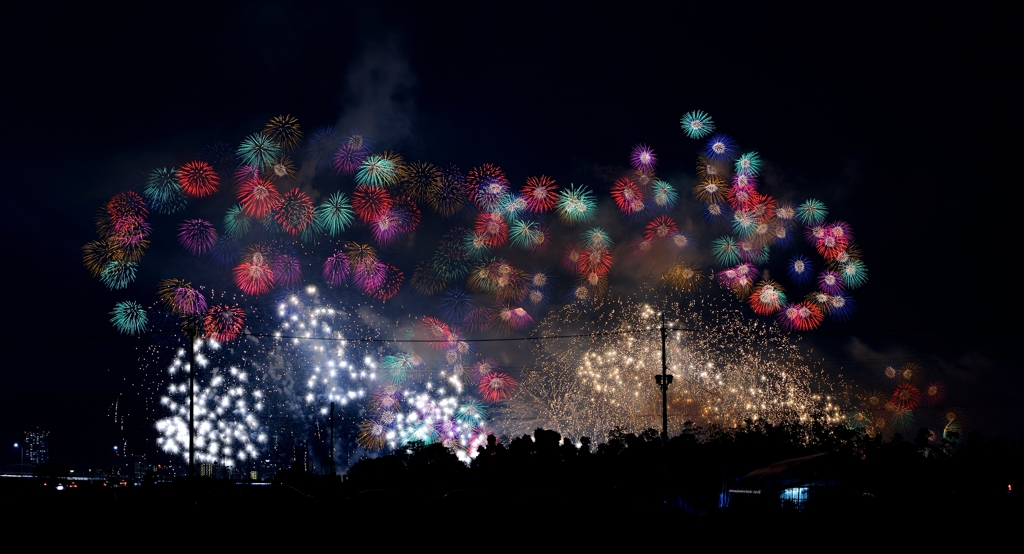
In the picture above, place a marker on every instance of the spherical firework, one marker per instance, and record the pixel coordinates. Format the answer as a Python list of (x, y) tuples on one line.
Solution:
[(767, 298), (526, 234), (840, 307), (221, 156), (198, 179), (284, 130), (254, 276), (711, 190), (118, 274), (370, 202), (281, 168), (334, 214), (854, 273), (697, 124), (379, 170), (800, 269), (575, 205), (259, 151), (739, 279), (934, 393), (226, 251), (129, 318), (245, 173), (664, 195), (492, 228), (224, 323), (369, 277), (448, 194), (336, 269), (721, 149), (830, 283), (455, 304), (682, 277), (744, 222), (802, 316), (322, 146), (417, 180), (163, 193), (258, 197), (540, 193), (660, 228), (749, 164), (390, 284), (426, 281), (811, 212), (294, 211), (479, 319), (181, 298), (906, 396), (642, 158), (127, 203), (98, 253), (597, 261), (596, 238), (714, 212), (496, 386), (197, 236), (287, 270), (236, 223), (348, 158), (627, 196), (487, 184), (373, 434)]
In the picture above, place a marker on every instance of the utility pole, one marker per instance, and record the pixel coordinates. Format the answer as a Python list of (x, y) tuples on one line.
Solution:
[(332, 439), (664, 380), (191, 402)]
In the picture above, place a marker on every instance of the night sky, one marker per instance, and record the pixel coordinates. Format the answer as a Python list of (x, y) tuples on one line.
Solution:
[(904, 123)]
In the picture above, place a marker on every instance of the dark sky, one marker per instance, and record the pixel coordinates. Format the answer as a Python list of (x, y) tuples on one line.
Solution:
[(903, 122)]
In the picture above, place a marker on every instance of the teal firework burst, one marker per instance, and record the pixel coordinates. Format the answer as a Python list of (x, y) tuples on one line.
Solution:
[(335, 214), (118, 274), (665, 195), (377, 170), (472, 412), (811, 212), (236, 223), (512, 205), (163, 192), (398, 367), (596, 238), (524, 234), (749, 164), (258, 150), (697, 124), (475, 246), (575, 204), (744, 222), (854, 273), (129, 318), (726, 251)]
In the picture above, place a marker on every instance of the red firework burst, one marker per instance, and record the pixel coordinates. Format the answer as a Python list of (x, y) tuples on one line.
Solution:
[(390, 285), (224, 323), (906, 396), (487, 185), (571, 258), (436, 330), (496, 386), (254, 276), (370, 203), (767, 298), (258, 197), (492, 228), (540, 193), (660, 228), (802, 316), (597, 261), (127, 203), (628, 196), (294, 211), (198, 179)]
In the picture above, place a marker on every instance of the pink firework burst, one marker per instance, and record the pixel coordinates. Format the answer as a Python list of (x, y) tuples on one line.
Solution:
[(390, 284), (642, 158), (336, 269), (287, 270), (487, 185), (496, 386), (197, 236)]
